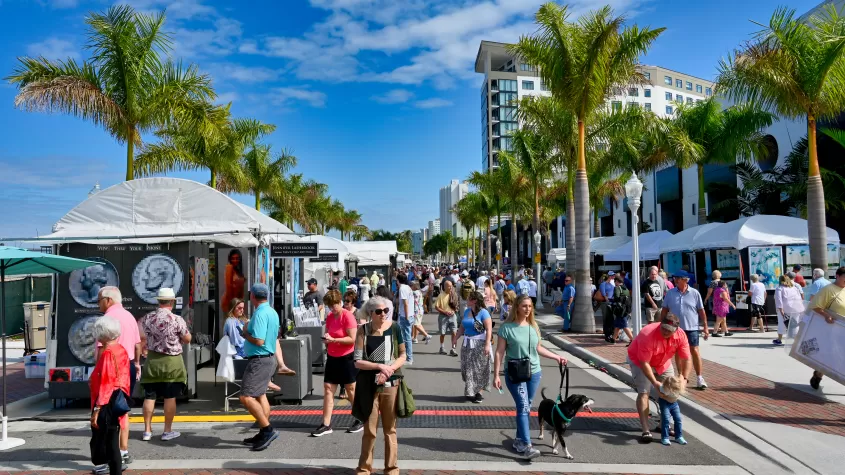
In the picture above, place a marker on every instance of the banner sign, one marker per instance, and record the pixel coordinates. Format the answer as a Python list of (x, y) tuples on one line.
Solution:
[(332, 257), (294, 249)]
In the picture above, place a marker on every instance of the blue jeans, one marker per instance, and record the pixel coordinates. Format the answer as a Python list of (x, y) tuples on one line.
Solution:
[(523, 396), (673, 410), (405, 327)]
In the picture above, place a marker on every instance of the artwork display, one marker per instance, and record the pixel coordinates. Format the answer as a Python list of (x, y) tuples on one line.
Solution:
[(819, 344), (727, 261), (708, 268), (81, 339), (85, 284), (767, 263), (833, 250), (60, 375), (797, 255), (673, 262), (201, 277), (842, 256), (154, 272), (234, 281)]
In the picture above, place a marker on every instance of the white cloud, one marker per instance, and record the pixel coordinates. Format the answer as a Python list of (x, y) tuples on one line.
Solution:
[(53, 48), (432, 103), (224, 98), (284, 96), (245, 74), (176, 9), (395, 96), (64, 3)]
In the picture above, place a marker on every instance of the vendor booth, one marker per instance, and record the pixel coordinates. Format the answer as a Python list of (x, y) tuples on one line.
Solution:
[(649, 246), (556, 257), (374, 255), (677, 250), (599, 246), (148, 234)]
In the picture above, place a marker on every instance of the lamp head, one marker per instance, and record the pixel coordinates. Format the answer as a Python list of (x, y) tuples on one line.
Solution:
[(634, 188), (537, 238)]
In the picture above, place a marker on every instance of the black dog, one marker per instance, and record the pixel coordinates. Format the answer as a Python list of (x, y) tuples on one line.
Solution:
[(548, 413)]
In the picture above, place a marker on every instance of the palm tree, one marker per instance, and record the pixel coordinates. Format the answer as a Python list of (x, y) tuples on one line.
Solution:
[(581, 63), (126, 86), (473, 210), (796, 69), (515, 188), (349, 221), (723, 135), (307, 191), (605, 184), (491, 184), (534, 154)]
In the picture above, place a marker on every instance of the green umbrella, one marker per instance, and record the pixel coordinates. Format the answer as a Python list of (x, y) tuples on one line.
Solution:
[(17, 261)]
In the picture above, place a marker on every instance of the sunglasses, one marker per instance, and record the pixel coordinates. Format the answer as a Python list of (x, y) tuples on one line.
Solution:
[(380, 311)]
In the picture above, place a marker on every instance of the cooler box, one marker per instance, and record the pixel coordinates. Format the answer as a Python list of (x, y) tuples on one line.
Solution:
[(35, 315), (318, 346), (35, 366), (294, 388)]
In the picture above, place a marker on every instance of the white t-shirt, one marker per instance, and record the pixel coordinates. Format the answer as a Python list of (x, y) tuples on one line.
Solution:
[(405, 294), (479, 283), (532, 288), (758, 293)]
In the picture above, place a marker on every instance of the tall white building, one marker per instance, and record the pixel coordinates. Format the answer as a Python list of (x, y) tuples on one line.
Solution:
[(449, 197), (418, 239), (433, 228)]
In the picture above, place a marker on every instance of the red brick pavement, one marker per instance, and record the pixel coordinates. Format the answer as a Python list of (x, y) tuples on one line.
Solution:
[(735, 393), (17, 386), (301, 471)]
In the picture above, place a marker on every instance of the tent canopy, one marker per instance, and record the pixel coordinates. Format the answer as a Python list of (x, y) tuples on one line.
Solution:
[(161, 210), (557, 254), (328, 245), (373, 253), (649, 247), (687, 239), (759, 230), (602, 245)]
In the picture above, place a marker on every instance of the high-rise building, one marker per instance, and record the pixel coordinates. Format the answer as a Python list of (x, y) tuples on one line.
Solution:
[(449, 197), (418, 241), (433, 228)]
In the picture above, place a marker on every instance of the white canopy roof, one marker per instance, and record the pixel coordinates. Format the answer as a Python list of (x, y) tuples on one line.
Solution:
[(328, 245), (602, 245), (160, 210), (759, 230), (649, 244), (557, 254), (372, 253), (687, 239)]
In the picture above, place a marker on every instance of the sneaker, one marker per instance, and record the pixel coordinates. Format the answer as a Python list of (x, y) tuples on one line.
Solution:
[(356, 427), (815, 381), (701, 383), (146, 436), (478, 399), (530, 453), (264, 440), (717, 335), (777, 342), (101, 469), (729, 334), (681, 440), (518, 446), (665, 441), (452, 352), (414, 341), (427, 339), (251, 440), (441, 352), (170, 435), (127, 458), (410, 362), (322, 430)]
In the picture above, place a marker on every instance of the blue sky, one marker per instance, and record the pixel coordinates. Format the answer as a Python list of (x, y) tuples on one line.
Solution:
[(377, 98)]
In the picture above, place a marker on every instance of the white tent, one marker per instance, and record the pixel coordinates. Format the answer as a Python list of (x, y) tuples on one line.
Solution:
[(602, 245), (372, 253), (320, 270), (556, 255), (687, 239), (649, 247), (759, 230), (162, 210)]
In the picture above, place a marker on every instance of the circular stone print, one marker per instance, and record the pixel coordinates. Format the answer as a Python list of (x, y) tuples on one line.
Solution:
[(81, 341), (85, 284), (154, 272)]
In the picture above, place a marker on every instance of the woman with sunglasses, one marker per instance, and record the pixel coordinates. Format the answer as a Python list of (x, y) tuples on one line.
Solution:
[(341, 328), (519, 349), (477, 330)]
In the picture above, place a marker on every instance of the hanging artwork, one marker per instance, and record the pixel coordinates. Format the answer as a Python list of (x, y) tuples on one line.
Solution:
[(234, 279), (708, 268), (833, 250), (81, 339), (727, 261), (154, 272), (85, 284), (673, 262), (201, 277), (767, 263), (797, 255)]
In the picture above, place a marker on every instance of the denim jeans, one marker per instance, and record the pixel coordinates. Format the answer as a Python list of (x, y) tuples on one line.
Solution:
[(523, 396), (567, 319), (673, 410), (405, 327)]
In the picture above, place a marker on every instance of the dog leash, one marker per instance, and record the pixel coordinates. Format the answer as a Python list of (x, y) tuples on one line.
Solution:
[(564, 375)]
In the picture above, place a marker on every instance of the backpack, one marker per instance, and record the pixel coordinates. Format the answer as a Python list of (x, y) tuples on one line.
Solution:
[(621, 304), (466, 289)]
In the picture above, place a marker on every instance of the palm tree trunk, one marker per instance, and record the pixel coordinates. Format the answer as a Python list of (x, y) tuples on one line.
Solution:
[(816, 222), (583, 318), (596, 227), (702, 211), (130, 156), (571, 249), (213, 180), (257, 200), (489, 257), (514, 248), (499, 233)]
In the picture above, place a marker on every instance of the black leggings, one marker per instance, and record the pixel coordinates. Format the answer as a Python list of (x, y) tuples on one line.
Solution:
[(113, 450)]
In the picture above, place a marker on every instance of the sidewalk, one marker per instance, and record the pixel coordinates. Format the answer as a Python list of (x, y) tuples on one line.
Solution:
[(18, 387)]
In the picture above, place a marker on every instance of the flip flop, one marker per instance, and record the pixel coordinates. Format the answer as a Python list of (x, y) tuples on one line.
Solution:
[(646, 438), (286, 371)]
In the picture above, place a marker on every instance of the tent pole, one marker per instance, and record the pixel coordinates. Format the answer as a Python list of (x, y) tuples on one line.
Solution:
[(3, 325)]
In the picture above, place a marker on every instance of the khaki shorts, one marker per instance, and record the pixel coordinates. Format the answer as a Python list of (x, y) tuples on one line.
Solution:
[(641, 383), (652, 313)]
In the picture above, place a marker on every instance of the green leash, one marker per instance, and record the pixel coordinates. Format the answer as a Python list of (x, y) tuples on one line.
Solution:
[(564, 375)]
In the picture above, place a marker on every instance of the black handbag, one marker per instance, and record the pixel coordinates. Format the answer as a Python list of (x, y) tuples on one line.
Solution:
[(519, 370), (120, 403)]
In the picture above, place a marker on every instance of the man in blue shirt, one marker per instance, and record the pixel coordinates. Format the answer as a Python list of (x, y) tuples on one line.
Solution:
[(819, 282), (524, 286), (685, 302), (626, 281), (606, 289), (510, 285), (260, 348), (567, 302)]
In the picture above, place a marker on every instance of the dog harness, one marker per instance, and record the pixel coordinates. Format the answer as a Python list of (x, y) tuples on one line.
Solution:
[(564, 374)]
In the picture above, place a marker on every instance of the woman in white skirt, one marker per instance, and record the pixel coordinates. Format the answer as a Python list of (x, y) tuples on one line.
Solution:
[(477, 352), (789, 303)]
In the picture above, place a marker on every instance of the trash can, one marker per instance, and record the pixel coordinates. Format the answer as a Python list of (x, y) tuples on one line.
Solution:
[(35, 316)]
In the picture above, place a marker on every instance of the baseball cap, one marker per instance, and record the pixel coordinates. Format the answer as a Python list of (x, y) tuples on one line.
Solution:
[(611, 273), (311, 281), (259, 290), (681, 274), (464, 273)]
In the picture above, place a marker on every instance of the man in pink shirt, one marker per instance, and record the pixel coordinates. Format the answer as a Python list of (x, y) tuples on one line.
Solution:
[(650, 356), (110, 301)]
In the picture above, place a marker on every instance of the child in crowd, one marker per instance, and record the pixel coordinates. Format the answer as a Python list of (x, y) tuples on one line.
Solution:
[(670, 391), (509, 298), (721, 305)]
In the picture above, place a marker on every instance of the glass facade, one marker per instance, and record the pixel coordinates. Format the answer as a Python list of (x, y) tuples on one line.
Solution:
[(689, 86), (668, 96), (647, 93), (667, 80), (669, 109), (679, 98), (528, 85), (698, 88), (507, 85), (679, 83), (504, 98), (708, 92)]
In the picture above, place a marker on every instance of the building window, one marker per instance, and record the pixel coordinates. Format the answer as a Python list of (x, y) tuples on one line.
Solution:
[(505, 114), (507, 85), (689, 86), (633, 92), (668, 96), (694, 210), (669, 109), (616, 106), (633, 105), (689, 100), (528, 85), (708, 92), (648, 106), (698, 88), (527, 67), (543, 86), (679, 98), (667, 80), (647, 76), (679, 83), (647, 93), (697, 101)]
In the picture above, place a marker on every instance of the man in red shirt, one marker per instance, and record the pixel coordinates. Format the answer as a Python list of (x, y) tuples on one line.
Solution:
[(799, 279), (650, 356)]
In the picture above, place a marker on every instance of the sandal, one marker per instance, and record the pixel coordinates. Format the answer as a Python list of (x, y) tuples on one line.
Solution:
[(646, 438), (286, 371)]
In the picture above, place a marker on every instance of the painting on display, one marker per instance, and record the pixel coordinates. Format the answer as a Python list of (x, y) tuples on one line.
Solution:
[(727, 261), (833, 259), (85, 284), (232, 267), (797, 255), (673, 262), (81, 340), (767, 263), (201, 277), (819, 344), (154, 272)]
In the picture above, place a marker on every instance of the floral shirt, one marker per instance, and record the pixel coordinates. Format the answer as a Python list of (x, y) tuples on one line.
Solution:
[(418, 303), (164, 330)]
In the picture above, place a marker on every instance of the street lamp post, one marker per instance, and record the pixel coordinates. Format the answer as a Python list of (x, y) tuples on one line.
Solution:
[(498, 255), (633, 191), (537, 241)]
